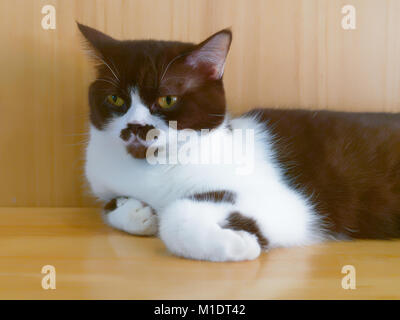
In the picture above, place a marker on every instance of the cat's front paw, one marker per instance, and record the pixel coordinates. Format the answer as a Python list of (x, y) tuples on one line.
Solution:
[(132, 216), (192, 230), (239, 245)]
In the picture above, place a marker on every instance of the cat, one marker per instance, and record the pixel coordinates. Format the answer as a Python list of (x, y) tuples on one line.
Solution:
[(316, 175)]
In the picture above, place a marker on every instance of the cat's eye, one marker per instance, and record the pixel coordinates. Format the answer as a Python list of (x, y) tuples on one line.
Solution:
[(166, 102), (115, 100)]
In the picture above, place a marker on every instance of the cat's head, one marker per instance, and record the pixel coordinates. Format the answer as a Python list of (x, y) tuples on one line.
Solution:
[(145, 84)]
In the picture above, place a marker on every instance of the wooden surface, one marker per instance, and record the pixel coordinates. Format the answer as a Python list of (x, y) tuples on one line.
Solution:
[(93, 261), (285, 53)]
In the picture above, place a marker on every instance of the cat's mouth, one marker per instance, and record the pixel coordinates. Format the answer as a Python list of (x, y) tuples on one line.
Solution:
[(137, 150), (137, 147)]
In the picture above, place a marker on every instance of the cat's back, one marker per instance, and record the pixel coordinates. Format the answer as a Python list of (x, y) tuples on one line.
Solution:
[(297, 119), (348, 163)]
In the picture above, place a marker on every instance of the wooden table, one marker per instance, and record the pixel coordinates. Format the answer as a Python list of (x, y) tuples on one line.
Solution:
[(93, 261)]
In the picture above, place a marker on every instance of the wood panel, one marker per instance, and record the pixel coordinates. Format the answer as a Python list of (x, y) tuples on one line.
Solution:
[(285, 53), (93, 261)]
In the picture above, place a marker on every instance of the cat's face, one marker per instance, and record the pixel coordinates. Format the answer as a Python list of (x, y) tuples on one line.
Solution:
[(145, 84)]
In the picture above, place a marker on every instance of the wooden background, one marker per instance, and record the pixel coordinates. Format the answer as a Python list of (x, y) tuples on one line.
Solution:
[(285, 53)]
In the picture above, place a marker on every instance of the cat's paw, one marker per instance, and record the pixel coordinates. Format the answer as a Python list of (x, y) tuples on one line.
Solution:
[(132, 216), (191, 229), (220, 246), (239, 245)]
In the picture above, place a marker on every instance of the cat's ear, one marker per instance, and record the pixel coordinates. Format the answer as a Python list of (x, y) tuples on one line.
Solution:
[(97, 42), (209, 56)]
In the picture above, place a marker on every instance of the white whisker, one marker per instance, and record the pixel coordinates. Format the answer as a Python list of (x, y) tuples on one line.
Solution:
[(107, 65), (111, 82), (216, 115), (169, 64)]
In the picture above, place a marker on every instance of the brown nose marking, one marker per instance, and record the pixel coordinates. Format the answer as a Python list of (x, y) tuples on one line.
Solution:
[(137, 129)]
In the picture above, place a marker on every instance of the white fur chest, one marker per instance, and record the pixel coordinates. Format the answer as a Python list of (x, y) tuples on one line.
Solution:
[(112, 172)]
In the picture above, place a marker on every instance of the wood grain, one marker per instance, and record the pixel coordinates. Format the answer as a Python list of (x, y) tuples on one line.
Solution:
[(285, 54), (93, 261)]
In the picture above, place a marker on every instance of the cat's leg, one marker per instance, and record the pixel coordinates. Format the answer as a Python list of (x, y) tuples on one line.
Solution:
[(206, 230), (131, 215)]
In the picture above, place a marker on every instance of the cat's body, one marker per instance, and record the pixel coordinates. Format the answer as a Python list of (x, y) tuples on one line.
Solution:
[(314, 175), (348, 163), (284, 216)]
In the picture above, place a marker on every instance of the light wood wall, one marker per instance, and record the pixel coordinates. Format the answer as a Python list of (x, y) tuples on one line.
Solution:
[(285, 53)]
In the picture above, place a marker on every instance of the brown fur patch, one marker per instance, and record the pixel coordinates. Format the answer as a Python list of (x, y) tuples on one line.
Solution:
[(137, 151), (110, 206), (125, 134), (347, 163), (236, 221), (139, 130)]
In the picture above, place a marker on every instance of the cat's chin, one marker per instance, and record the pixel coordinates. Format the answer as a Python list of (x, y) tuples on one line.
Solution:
[(137, 150)]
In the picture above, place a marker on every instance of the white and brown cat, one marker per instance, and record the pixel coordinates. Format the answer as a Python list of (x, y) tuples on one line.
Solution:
[(316, 175)]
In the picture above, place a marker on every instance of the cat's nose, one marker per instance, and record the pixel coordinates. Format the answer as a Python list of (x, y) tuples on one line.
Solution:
[(139, 130)]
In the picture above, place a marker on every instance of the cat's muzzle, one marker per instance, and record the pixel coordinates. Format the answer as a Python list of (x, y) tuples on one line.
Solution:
[(137, 139)]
